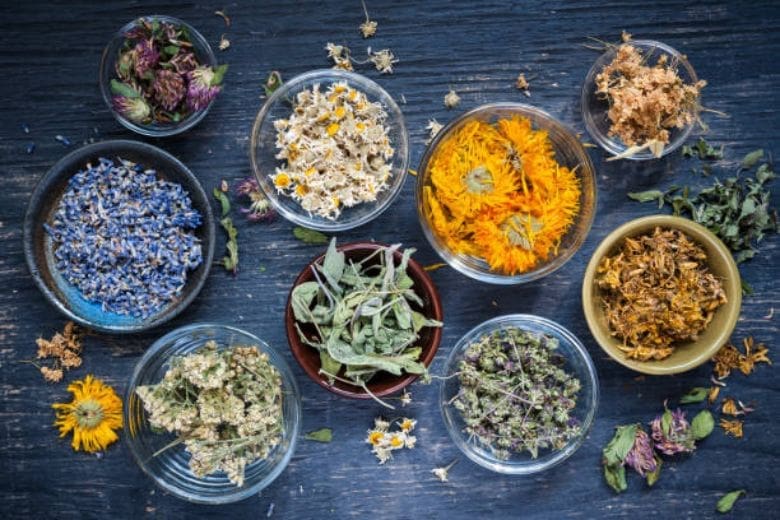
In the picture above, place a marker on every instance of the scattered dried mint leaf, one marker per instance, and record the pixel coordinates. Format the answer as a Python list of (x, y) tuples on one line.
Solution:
[(726, 502), (273, 82), (695, 395), (309, 236), (703, 150), (752, 158), (223, 200), (702, 425), (321, 435), (647, 196), (122, 89), (614, 453), (230, 261), (747, 289)]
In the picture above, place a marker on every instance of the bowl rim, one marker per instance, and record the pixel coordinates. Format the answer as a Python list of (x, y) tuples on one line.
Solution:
[(493, 277), (606, 143), (67, 166), (331, 75), (237, 493), (402, 381), (105, 90), (700, 234), (520, 321)]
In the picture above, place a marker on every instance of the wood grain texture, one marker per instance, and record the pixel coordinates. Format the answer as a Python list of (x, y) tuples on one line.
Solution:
[(49, 61)]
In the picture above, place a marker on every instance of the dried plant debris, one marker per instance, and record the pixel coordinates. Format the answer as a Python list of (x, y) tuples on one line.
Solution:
[(224, 43), (703, 150), (730, 358), (732, 427), (433, 127), (225, 405), (515, 394), (230, 260), (367, 28), (522, 84), (738, 210), (63, 350), (442, 473), (273, 82), (451, 99), (657, 291), (224, 16), (646, 102)]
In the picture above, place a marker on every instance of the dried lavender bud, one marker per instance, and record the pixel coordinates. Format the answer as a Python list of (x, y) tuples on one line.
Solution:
[(226, 405), (514, 394)]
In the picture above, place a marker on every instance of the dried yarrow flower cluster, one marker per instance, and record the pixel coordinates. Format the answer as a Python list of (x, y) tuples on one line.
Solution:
[(159, 76), (658, 291), (124, 237), (64, 348), (226, 405), (646, 101), (670, 434), (514, 395), (336, 150), (383, 441)]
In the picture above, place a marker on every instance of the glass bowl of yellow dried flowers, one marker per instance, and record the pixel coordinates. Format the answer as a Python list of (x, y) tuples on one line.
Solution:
[(330, 150), (641, 100), (520, 394), (506, 193), (212, 413)]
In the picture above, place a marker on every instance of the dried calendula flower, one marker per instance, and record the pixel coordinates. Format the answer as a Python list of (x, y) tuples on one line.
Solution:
[(93, 416), (732, 427), (646, 101), (451, 99), (367, 28), (383, 60), (734, 408), (336, 150), (729, 358), (658, 291)]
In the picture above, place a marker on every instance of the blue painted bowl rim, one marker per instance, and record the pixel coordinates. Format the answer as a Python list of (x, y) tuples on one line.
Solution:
[(68, 166)]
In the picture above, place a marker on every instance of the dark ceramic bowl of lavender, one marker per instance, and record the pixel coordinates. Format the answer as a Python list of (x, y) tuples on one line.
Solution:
[(384, 383), (40, 247)]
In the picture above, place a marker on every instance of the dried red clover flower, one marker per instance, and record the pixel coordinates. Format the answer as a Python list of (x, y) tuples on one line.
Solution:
[(672, 433)]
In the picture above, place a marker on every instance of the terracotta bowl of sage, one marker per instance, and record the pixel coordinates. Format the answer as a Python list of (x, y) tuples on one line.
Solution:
[(382, 384), (687, 355)]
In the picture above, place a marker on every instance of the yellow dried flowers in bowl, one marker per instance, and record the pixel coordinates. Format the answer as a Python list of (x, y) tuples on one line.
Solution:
[(330, 150), (661, 294), (506, 194)]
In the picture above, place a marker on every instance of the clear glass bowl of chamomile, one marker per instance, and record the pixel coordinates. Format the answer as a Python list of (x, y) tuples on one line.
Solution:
[(569, 355), (164, 459), (336, 125)]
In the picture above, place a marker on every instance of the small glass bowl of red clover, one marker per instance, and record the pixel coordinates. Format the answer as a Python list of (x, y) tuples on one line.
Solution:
[(159, 76)]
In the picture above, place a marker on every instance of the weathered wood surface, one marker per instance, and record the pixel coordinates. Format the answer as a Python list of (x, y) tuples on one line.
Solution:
[(50, 53)]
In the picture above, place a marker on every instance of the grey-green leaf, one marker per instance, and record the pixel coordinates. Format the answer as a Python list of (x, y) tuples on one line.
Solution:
[(309, 236), (695, 395), (123, 89), (702, 425), (321, 435), (648, 196), (726, 502), (301, 300), (224, 202), (752, 158), (333, 264), (616, 450)]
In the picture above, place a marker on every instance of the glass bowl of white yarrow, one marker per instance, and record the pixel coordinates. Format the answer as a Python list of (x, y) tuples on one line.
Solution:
[(212, 413), (330, 150)]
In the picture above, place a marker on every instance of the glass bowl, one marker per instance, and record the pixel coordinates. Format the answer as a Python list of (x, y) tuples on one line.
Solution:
[(578, 363), (170, 469), (263, 151), (202, 51), (568, 151), (594, 109)]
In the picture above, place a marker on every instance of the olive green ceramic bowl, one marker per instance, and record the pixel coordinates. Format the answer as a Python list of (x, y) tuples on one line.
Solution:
[(687, 355)]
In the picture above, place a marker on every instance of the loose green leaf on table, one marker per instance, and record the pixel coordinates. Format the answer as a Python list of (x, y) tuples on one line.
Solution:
[(309, 236), (695, 395), (321, 435), (652, 476), (702, 425), (647, 196), (726, 502), (752, 158), (223, 200)]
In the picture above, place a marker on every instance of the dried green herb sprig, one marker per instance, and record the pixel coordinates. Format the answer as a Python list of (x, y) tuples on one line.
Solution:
[(514, 395), (230, 260), (361, 316), (224, 405)]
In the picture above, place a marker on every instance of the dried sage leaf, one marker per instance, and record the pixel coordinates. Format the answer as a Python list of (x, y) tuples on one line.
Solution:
[(695, 395), (726, 502), (321, 435), (702, 425), (309, 236), (647, 196)]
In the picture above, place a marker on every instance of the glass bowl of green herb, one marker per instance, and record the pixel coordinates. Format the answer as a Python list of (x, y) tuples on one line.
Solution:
[(330, 150), (212, 413), (159, 76), (519, 395)]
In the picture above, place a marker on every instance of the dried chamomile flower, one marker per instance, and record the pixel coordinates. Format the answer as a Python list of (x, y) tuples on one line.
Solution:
[(383, 60), (341, 56), (451, 99), (433, 127), (336, 150), (224, 43), (406, 398), (522, 84), (383, 441), (367, 28), (442, 473)]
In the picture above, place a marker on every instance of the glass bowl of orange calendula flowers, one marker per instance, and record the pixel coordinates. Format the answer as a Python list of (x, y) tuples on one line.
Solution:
[(506, 193)]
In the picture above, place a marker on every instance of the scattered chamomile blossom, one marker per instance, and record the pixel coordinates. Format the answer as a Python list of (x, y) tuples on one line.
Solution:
[(336, 150), (442, 473), (451, 99), (406, 398), (433, 127), (341, 56), (383, 441), (224, 43), (260, 208), (367, 28), (383, 60)]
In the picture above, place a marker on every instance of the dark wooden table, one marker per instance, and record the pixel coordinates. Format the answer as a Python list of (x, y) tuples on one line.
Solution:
[(50, 54)]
